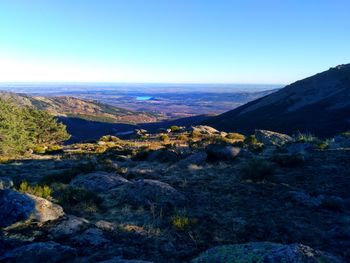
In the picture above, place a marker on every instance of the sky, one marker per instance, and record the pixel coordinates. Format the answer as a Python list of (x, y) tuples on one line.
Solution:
[(171, 41)]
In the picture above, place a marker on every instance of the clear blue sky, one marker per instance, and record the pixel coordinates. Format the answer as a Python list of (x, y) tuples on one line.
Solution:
[(216, 41)]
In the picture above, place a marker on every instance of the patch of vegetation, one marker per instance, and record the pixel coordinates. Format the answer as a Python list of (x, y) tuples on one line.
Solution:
[(43, 191), (175, 128), (257, 170), (109, 138), (305, 137), (66, 176), (182, 137), (180, 222), (322, 145), (235, 136), (78, 200), (253, 144), (164, 137)]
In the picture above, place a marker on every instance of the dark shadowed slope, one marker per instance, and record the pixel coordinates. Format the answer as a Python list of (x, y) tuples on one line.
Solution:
[(319, 105)]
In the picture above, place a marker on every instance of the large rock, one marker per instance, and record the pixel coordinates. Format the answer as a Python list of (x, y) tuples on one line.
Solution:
[(340, 141), (98, 181), (146, 192), (40, 252), (15, 207), (265, 252), (217, 152), (270, 138), (5, 183)]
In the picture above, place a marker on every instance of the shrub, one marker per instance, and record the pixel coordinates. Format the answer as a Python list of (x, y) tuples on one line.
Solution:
[(175, 128), (164, 137), (109, 138), (305, 137), (322, 145), (235, 136), (182, 137), (78, 200), (196, 134), (257, 170), (37, 190), (180, 222), (250, 140)]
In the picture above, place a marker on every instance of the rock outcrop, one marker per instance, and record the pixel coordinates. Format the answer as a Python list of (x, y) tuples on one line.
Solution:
[(265, 252), (98, 181), (18, 207)]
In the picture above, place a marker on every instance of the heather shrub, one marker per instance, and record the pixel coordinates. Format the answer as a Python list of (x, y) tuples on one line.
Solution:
[(257, 170)]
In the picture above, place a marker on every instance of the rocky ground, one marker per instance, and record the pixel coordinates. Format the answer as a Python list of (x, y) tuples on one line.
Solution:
[(195, 195)]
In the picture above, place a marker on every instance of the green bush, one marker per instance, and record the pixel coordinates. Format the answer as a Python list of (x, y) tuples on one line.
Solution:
[(37, 190), (109, 138), (257, 170), (180, 222), (175, 128), (164, 137)]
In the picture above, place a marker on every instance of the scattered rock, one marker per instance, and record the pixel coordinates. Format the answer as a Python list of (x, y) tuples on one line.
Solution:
[(270, 138), (98, 181), (217, 152), (146, 192), (265, 252), (331, 202), (5, 183), (40, 252), (340, 141), (17, 207)]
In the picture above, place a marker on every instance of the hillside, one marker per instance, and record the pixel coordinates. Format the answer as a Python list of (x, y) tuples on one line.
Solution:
[(319, 105), (66, 106)]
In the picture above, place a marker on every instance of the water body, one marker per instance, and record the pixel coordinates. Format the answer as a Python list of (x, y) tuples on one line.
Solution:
[(143, 98)]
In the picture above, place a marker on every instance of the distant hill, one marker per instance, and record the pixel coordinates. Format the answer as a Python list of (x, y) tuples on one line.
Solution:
[(66, 106), (319, 105)]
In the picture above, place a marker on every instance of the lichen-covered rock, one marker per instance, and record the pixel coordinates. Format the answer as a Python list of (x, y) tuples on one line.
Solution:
[(5, 183), (16, 207), (69, 226), (270, 138), (217, 152), (98, 181), (39, 252), (265, 252), (146, 192)]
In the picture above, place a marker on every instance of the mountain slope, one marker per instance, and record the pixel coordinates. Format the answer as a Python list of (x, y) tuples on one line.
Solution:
[(73, 107), (319, 105)]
